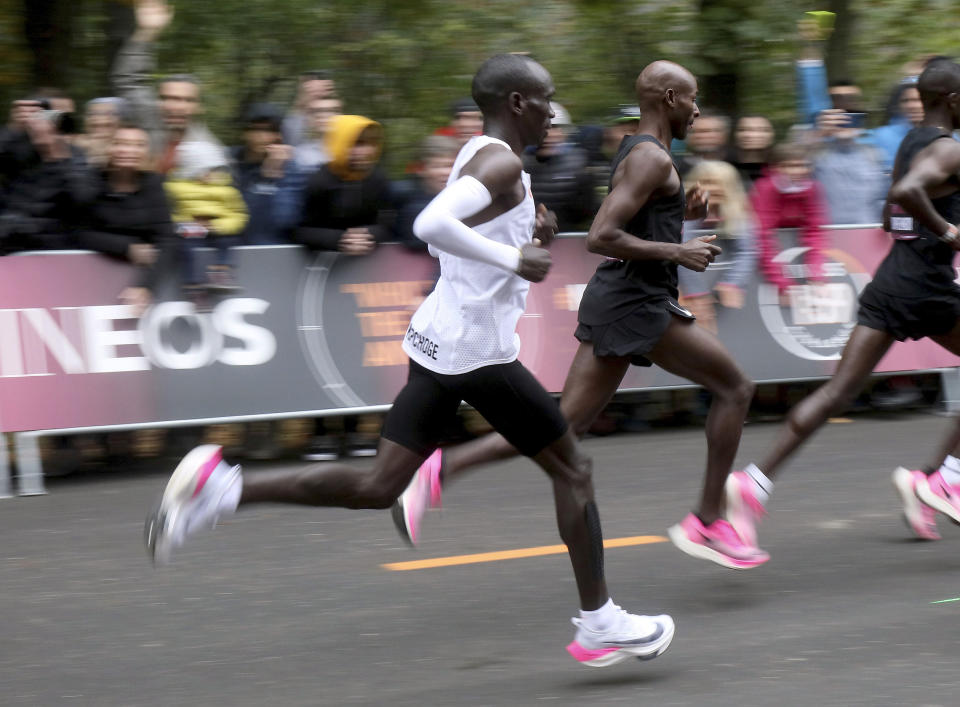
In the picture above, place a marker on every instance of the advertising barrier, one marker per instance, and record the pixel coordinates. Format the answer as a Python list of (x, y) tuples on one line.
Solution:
[(318, 333)]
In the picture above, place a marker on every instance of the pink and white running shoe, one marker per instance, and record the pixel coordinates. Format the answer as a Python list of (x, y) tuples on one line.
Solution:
[(939, 495), (744, 509), (631, 636), (717, 542), (190, 502), (920, 518), (423, 493)]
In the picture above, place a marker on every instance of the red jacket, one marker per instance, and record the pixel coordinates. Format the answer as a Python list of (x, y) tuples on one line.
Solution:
[(804, 209)]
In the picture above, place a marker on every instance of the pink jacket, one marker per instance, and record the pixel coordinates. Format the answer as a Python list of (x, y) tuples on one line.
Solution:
[(803, 208)]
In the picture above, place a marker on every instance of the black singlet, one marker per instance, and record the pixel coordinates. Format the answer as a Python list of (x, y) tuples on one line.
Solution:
[(922, 264), (618, 286)]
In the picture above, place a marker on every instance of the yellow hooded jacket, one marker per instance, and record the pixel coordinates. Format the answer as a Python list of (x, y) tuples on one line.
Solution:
[(342, 134)]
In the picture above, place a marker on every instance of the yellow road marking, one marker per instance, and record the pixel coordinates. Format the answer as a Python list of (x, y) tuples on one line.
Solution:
[(839, 420), (514, 554)]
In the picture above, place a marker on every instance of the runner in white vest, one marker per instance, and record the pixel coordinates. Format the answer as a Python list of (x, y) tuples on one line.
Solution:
[(463, 347)]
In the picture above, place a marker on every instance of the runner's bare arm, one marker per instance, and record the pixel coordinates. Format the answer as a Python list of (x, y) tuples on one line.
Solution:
[(645, 170), (935, 165)]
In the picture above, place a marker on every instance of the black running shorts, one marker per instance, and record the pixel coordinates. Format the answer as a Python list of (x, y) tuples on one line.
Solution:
[(933, 314), (635, 334), (507, 395)]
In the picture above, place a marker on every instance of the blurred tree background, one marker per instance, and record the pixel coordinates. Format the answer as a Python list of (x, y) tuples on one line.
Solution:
[(403, 63)]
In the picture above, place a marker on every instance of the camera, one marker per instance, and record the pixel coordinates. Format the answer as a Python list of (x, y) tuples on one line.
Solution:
[(63, 122)]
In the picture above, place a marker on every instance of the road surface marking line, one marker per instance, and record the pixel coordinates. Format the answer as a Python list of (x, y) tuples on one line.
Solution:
[(514, 554), (945, 601)]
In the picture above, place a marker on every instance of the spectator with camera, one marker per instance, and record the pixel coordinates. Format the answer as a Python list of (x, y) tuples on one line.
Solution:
[(851, 173), (45, 178), (169, 109), (129, 215)]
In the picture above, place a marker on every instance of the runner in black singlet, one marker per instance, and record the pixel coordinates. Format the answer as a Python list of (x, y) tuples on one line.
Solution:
[(629, 314), (913, 295)]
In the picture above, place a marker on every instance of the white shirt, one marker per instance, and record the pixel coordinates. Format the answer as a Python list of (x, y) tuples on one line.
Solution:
[(470, 319)]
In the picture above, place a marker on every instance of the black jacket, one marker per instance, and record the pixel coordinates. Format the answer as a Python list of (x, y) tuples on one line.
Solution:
[(332, 205), (41, 199), (565, 185), (113, 221)]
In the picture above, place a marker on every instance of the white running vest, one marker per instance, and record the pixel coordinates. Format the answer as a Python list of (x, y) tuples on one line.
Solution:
[(470, 318)]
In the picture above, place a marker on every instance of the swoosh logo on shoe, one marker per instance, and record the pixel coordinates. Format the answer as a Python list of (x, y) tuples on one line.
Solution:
[(638, 641)]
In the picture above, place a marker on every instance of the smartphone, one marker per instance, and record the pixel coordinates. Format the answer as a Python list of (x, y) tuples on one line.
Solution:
[(856, 120), (824, 20)]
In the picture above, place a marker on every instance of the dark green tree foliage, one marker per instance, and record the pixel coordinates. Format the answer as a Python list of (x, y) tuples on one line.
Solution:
[(403, 63)]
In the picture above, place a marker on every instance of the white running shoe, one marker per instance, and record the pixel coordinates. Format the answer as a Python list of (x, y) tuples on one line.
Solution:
[(631, 636), (190, 502)]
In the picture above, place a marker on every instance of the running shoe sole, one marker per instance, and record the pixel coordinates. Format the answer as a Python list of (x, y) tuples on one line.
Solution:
[(926, 494), (606, 657), (912, 508), (400, 520), (679, 538)]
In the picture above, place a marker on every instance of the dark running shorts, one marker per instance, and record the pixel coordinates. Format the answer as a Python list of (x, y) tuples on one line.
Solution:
[(634, 335), (507, 395), (908, 317)]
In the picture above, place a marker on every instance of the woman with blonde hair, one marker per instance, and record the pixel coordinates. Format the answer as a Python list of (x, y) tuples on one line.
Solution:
[(730, 217)]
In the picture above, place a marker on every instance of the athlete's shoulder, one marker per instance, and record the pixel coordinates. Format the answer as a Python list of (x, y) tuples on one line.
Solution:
[(649, 160), (496, 165)]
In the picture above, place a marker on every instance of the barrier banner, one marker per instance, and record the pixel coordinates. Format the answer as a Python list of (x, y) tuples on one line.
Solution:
[(317, 331)]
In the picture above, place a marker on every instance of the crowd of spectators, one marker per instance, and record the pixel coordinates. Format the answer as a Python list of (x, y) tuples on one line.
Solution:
[(143, 179)]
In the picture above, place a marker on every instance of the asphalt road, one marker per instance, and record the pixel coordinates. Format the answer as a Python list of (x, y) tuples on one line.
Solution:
[(290, 606)]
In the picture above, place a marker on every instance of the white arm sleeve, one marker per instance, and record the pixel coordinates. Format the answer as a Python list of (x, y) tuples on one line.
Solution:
[(440, 225)]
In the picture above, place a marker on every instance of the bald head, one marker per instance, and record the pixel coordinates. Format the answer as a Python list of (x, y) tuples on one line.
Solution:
[(659, 77), (938, 80)]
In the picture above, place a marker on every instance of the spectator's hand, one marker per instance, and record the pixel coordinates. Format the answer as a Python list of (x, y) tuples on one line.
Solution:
[(832, 121), (21, 112), (153, 16), (697, 200), (545, 227), (356, 241), (142, 254), (698, 253), (137, 297), (535, 263), (49, 144), (273, 164), (730, 296)]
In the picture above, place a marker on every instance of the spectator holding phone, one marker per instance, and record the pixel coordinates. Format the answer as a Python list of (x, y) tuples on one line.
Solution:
[(851, 173)]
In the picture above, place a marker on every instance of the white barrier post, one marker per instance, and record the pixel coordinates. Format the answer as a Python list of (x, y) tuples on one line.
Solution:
[(4, 468), (950, 381), (29, 466)]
